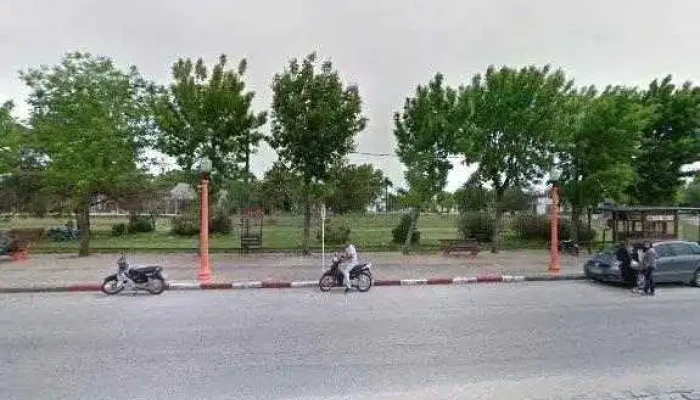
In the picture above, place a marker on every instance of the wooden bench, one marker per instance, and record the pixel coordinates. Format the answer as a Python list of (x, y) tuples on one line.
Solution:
[(21, 241), (251, 242), (471, 246)]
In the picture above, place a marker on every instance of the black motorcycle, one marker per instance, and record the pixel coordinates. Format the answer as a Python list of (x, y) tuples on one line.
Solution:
[(568, 247), (150, 279), (360, 276)]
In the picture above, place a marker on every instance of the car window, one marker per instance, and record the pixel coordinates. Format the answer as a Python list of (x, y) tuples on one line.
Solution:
[(664, 250), (681, 249)]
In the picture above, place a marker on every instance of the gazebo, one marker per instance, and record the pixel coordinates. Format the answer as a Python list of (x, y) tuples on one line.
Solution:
[(646, 223)]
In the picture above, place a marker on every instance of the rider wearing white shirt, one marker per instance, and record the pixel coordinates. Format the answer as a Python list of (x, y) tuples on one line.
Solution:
[(350, 259)]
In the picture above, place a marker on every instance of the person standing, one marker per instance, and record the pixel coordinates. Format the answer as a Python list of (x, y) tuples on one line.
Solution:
[(649, 263), (624, 256)]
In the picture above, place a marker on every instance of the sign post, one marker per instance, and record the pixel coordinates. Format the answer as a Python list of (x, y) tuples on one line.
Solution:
[(323, 237)]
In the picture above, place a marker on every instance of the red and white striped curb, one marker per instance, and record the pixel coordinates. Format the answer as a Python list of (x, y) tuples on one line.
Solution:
[(193, 285)]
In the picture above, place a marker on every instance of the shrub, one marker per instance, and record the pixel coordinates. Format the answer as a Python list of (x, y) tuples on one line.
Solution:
[(185, 225), (335, 232), (221, 223), (537, 227), (119, 229), (477, 226), (141, 224), (400, 232)]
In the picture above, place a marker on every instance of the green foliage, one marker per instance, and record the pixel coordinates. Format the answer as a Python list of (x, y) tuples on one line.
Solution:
[(119, 229), (538, 228), (141, 224), (598, 149), (209, 114), (314, 122), (670, 140), (90, 121), (476, 225), (9, 139), (400, 232), (690, 196), (185, 225), (354, 187), (221, 223), (471, 197), (335, 232), (281, 189)]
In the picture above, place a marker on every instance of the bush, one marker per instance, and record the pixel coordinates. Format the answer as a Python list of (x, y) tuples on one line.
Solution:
[(477, 226), (185, 225), (221, 223), (400, 232), (141, 224), (537, 227), (119, 229), (335, 233)]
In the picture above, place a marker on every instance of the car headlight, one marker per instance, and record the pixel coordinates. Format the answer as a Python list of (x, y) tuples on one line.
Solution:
[(615, 265)]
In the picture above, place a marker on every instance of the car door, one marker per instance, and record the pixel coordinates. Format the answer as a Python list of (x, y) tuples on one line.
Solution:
[(666, 264), (678, 263)]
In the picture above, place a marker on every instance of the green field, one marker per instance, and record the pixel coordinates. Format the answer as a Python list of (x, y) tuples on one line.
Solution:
[(280, 232)]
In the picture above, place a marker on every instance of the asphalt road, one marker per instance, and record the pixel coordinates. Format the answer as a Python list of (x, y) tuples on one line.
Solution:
[(564, 340)]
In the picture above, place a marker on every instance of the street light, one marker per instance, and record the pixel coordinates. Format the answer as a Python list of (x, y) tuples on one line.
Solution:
[(204, 274), (554, 176)]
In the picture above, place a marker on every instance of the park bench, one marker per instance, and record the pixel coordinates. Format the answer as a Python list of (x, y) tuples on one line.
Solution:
[(449, 246), (21, 241)]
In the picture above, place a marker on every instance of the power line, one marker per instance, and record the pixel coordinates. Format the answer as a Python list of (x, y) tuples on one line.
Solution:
[(394, 155)]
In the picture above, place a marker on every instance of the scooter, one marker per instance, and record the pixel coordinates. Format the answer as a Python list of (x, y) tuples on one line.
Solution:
[(149, 278), (360, 276)]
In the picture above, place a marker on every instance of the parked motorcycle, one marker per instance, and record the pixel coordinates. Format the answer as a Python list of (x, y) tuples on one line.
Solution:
[(149, 278), (569, 247), (360, 276)]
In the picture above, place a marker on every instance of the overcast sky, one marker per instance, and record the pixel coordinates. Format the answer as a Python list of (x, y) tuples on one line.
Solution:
[(386, 47)]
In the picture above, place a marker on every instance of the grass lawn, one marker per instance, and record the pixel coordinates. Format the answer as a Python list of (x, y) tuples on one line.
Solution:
[(280, 232)]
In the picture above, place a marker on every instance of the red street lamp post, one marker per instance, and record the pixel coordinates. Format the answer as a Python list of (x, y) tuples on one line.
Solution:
[(554, 222), (204, 274)]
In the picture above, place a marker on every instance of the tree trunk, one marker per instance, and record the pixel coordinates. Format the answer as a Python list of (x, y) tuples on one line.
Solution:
[(411, 228), (589, 212), (307, 224), (497, 214), (82, 216), (575, 223)]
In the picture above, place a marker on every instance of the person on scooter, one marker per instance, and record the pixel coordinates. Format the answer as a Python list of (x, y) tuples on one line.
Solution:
[(349, 259)]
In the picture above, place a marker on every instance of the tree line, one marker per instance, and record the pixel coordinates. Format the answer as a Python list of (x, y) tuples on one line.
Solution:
[(92, 125)]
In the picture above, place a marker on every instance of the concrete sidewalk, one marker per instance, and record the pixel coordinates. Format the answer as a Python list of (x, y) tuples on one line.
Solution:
[(57, 269)]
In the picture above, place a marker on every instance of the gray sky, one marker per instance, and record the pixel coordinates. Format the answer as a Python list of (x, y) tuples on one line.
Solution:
[(386, 47)]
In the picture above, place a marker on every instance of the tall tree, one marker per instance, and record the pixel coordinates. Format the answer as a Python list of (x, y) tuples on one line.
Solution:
[(354, 187), (386, 183), (424, 130), (91, 124), (9, 139), (315, 118), (670, 140), (599, 147), (512, 118), (208, 114)]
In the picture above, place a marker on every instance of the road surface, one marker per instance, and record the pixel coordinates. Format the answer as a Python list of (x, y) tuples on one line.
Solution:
[(564, 340)]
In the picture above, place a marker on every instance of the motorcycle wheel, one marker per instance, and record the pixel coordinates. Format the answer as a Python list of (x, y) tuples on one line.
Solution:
[(364, 281), (112, 286), (326, 282), (155, 285)]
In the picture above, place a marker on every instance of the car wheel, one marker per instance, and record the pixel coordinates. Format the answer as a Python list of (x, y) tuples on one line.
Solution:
[(696, 278)]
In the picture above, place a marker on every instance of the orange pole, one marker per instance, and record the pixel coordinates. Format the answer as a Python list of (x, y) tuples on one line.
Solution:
[(554, 230), (204, 274)]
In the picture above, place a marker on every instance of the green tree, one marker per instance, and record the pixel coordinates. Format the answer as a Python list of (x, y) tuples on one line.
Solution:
[(315, 118), (472, 197), (280, 189), (599, 147), (354, 187), (670, 140), (424, 130), (208, 114), (445, 201), (691, 193), (511, 122), (90, 122), (386, 184)]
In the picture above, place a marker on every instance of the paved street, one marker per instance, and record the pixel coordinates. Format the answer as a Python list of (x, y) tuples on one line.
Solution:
[(564, 340)]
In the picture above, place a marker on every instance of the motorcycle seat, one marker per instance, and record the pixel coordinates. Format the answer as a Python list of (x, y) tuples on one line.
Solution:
[(146, 270), (359, 267)]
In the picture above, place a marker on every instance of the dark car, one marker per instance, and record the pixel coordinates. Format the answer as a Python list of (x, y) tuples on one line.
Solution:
[(679, 261)]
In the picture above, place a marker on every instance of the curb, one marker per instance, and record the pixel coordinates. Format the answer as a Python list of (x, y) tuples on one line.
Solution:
[(193, 285)]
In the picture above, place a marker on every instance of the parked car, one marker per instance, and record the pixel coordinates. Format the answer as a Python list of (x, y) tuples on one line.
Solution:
[(679, 261)]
